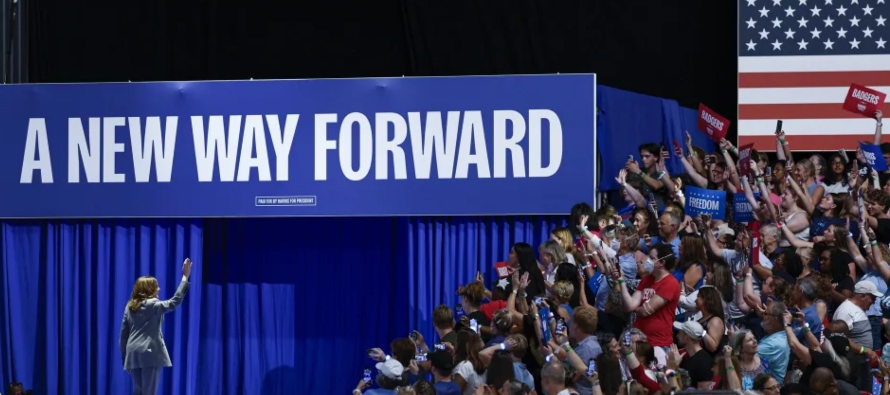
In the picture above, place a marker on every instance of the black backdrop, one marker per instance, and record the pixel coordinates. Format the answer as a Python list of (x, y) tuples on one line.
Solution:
[(682, 51), (679, 50)]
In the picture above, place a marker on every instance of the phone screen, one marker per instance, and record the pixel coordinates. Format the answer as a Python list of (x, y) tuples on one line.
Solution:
[(539, 301), (769, 170), (474, 326), (627, 338), (591, 367), (367, 376)]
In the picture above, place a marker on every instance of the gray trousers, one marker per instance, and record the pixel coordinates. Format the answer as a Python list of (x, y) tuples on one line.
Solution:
[(145, 380)]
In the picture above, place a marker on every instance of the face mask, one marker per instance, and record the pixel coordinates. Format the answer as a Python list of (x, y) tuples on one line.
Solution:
[(615, 245), (649, 266)]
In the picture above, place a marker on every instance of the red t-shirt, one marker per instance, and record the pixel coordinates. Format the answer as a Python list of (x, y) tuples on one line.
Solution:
[(491, 307), (659, 326)]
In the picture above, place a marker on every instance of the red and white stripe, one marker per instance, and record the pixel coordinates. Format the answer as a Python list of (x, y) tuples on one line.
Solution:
[(807, 94)]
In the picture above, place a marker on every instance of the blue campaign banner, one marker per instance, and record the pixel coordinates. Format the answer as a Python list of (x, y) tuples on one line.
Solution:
[(343, 147), (741, 209), (873, 156), (705, 201)]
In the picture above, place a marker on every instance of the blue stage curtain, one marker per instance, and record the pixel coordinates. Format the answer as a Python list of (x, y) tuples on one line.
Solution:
[(65, 286), (678, 120), (446, 251), (628, 120), (674, 131), (292, 304), (689, 121)]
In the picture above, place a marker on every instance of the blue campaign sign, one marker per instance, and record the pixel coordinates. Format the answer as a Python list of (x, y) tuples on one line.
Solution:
[(741, 209), (358, 147), (705, 201), (873, 156)]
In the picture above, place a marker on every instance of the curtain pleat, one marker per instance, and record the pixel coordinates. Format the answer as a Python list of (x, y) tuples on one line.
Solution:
[(444, 252)]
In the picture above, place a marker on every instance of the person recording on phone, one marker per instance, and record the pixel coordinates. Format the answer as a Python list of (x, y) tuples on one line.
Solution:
[(390, 375), (142, 346), (647, 172)]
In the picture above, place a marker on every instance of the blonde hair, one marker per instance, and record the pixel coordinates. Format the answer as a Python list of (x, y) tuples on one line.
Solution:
[(806, 254), (502, 320), (565, 238), (146, 287), (563, 290)]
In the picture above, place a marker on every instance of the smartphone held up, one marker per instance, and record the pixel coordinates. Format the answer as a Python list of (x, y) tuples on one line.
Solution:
[(367, 376)]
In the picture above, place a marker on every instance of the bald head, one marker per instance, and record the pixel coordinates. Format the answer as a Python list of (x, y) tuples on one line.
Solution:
[(823, 382), (554, 371)]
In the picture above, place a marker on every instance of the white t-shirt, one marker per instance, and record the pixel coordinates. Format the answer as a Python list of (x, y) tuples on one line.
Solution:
[(466, 371), (857, 322)]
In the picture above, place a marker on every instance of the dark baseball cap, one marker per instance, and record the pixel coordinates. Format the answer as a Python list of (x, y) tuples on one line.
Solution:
[(441, 359)]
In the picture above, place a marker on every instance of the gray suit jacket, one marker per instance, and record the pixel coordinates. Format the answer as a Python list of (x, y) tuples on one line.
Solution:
[(141, 341)]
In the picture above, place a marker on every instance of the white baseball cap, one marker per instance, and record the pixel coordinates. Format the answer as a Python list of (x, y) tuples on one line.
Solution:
[(867, 287), (692, 328), (392, 368)]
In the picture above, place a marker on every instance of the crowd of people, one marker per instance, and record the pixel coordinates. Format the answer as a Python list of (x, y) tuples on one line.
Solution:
[(647, 299)]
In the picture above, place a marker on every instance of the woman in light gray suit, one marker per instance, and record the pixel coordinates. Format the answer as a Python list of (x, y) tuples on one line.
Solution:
[(142, 344)]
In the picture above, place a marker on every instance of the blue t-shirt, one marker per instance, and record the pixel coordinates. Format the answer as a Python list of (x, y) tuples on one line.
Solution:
[(775, 349), (446, 388), (600, 286), (812, 318)]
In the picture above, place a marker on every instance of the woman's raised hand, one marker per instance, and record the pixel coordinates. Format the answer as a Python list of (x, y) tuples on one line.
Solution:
[(187, 267)]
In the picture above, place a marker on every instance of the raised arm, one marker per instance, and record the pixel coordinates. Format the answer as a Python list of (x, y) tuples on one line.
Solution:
[(166, 306), (782, 144), (808, 201), (695, 160), (793, 240), (696, 178), (634, 194), (725, 148), (800, 351)]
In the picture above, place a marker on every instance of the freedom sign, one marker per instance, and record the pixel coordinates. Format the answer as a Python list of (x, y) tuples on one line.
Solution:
[(705, 201), (340, 147), (741, 209)]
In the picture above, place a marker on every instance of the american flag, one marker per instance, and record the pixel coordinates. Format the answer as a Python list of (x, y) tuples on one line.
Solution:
[(797, 59)]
